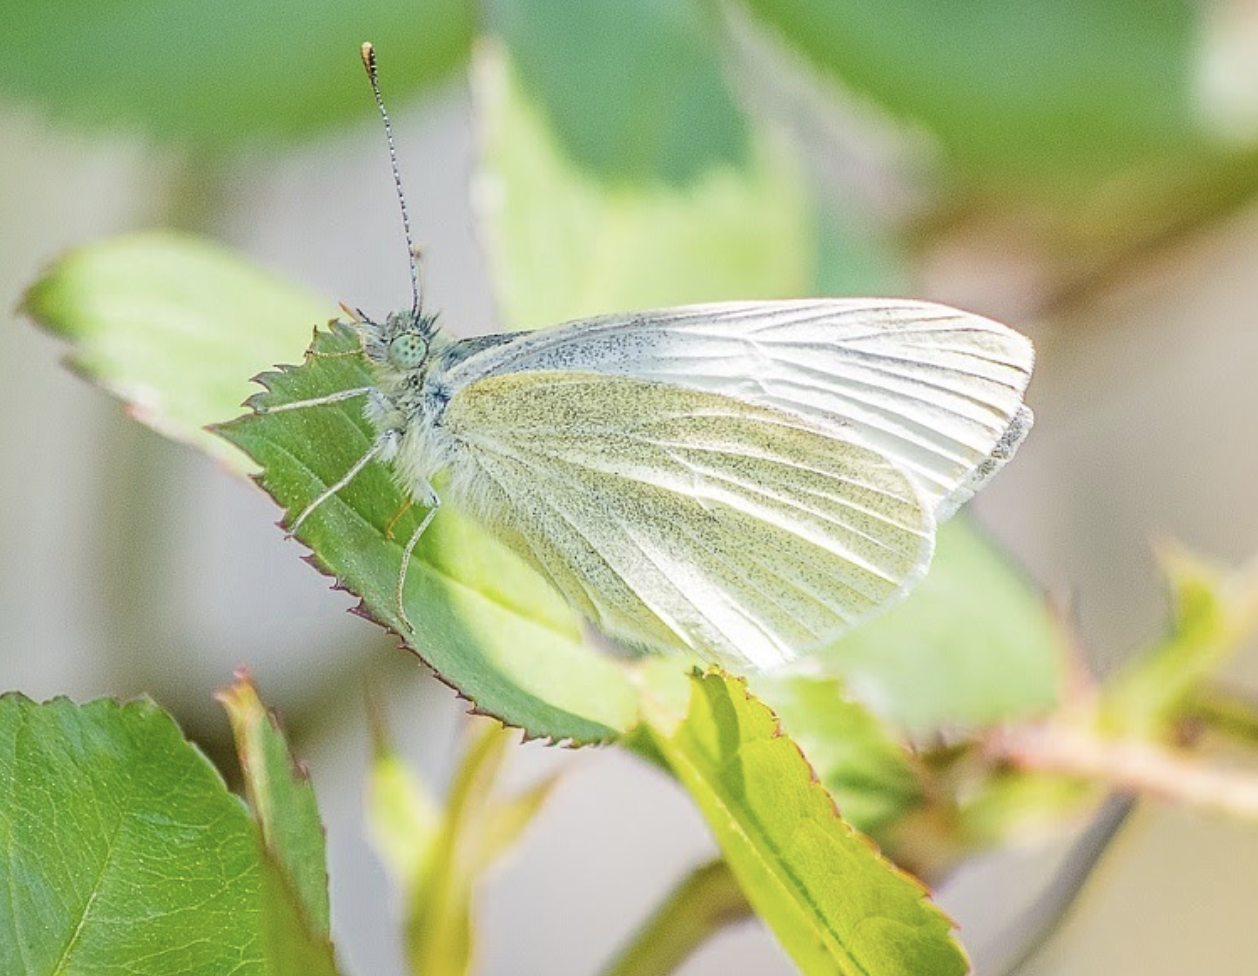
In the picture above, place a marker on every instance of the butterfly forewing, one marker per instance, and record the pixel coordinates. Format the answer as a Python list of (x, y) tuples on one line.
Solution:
[(675, 516), (934, 390)]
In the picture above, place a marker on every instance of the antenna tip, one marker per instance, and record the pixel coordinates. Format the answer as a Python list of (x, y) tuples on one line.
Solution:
[(368, 53)]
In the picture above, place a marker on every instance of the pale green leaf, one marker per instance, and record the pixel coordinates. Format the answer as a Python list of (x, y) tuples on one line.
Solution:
[(475, 829), (403, 818), (283, 802), (973, 644), (174, 326), (1215, 613), (866, 770), (834, 903), (567, 243)]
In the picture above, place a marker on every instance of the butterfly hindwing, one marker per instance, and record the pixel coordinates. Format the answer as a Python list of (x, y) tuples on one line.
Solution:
[(676, 516)]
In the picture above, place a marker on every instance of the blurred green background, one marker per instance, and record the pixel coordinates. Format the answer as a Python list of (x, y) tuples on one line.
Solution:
[(1085, 171)]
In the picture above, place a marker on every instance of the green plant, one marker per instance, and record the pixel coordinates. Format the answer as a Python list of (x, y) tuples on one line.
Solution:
[(940, 731)]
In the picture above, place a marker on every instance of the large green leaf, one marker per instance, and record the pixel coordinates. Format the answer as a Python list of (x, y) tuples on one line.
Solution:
[(973, 644), (486, 622), (631, 89), (123, 851), (1016, 90), (222, 72), (568, 242), (832, 901), (174, 326)]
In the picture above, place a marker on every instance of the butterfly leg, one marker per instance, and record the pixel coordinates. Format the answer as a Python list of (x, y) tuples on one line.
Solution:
[(318, 401), (386, 445), (432, 502)]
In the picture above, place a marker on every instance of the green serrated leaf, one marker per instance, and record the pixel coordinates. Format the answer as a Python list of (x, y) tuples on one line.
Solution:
[(1054, 90), (866, 770), (283, 802), (485, 621), (223, 73), (292, 949), (123, 851), (974, 644), (174, 326), (836, 906)]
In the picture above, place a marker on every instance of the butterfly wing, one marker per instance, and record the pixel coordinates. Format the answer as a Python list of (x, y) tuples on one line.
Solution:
[(936, 391), (675, 516)]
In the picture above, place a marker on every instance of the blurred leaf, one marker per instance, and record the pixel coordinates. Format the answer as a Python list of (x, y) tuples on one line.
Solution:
[(174, 326), (973, 645), (706, 900), (283, 803), (866, 770), (223, 72), (1014, 806), (567, 244), (443, 860), (834, 904), (505, 822), (124, 852), (631, 90), (854, 258), (1050, 90), (1215, 613), (487, 623), (403, 818)]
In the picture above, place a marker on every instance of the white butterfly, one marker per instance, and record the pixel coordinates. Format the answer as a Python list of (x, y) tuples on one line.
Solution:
[(745, 480)]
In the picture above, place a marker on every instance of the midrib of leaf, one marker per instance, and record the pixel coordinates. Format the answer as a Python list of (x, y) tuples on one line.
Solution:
[(795, 890), (64, 959)]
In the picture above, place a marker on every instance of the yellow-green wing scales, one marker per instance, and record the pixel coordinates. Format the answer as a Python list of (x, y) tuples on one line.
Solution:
[(680, 517)]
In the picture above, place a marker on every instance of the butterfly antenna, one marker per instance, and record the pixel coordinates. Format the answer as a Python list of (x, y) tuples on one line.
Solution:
[(369, 62)]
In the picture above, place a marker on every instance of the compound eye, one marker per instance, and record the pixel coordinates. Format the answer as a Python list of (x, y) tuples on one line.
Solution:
[(407, 350)]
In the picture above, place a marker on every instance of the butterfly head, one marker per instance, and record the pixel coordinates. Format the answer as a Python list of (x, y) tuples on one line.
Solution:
[(403, 341)]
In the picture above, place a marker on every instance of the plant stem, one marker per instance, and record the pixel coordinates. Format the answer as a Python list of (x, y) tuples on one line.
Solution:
[(1133, 765), (1225, 712), (700, 906)]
